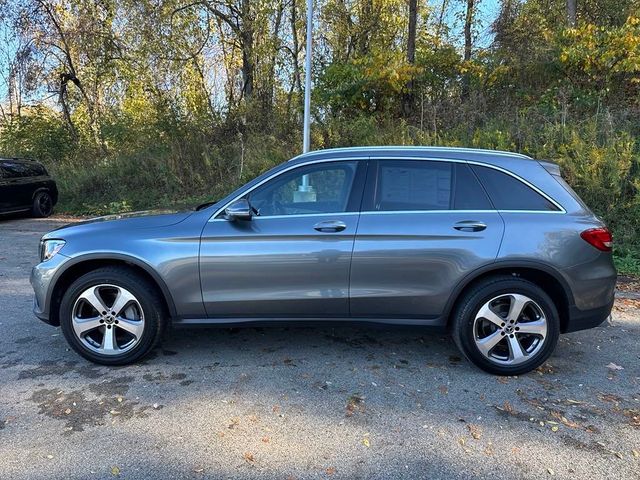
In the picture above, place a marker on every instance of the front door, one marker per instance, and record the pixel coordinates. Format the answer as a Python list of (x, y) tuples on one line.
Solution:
[(292, 258), (424, 225)]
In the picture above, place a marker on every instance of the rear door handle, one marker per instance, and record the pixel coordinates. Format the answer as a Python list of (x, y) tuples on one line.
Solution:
[(470, 226), (330, 226)]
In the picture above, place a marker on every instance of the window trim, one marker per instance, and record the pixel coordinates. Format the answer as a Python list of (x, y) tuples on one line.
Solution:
[(368, 202), (368, 161), (355, 195)]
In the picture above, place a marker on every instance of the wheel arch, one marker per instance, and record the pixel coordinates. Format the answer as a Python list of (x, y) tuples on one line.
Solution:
[(545, 276), (87, 263)]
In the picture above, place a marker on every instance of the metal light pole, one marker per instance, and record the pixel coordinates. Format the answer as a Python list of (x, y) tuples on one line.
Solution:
[(306, 140)]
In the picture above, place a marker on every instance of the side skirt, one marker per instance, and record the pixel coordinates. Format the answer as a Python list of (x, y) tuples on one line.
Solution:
[(434, 324)]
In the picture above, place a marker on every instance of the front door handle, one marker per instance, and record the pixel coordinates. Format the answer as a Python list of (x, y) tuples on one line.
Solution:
[(330, 226), (470, 226)]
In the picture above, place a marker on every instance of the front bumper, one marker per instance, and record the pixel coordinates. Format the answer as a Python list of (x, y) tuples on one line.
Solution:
[(41, 279)]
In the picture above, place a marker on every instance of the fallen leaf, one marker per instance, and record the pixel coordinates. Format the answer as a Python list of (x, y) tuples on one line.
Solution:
[(115, 471), (365, 442), (636, 453), (554, 428), (475, 431), (355, 403), (330, 470), (248, 456), (508, 408), (613, 366)]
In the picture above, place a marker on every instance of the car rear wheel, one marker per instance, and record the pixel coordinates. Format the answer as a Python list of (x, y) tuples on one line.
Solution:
[(506, 325), (112, 316), (42, 205)]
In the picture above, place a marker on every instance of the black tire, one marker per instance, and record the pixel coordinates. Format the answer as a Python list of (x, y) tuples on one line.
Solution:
[(146, 293), (471, 302), (42, 205)]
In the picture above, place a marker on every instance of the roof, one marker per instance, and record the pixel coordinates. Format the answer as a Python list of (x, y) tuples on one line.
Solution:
[(448, 153), (17, 160)]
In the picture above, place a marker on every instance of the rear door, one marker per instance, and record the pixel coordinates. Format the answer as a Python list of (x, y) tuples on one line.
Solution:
[(424, 225), (16, 190)]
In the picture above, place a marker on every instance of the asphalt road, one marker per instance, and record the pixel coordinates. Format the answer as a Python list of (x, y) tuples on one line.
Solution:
[(307, 402)]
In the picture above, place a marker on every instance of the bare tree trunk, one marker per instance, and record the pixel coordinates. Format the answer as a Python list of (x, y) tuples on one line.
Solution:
[(246, 40), (269, 90), (468, 40), (572, 13), (408, 97), (297, 74), (443, 9)]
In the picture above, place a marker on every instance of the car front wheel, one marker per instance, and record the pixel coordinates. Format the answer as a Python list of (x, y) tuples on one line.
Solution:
[(112, 316), (506, 325)]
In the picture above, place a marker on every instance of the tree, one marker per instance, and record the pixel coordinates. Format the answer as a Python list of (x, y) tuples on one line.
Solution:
[(411, 54), (468, 42)]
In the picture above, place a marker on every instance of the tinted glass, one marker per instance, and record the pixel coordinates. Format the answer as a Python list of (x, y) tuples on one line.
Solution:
[(469, 194), (413, 185), (509, 193), (323, 188), (20, 169)]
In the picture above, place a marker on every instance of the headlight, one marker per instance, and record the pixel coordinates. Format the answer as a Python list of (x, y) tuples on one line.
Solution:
[(48, 248)]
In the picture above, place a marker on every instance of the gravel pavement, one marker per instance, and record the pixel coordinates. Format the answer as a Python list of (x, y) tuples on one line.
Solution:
[(301, 403)]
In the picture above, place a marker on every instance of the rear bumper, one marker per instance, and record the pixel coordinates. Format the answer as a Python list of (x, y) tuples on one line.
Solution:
[(583, 319)]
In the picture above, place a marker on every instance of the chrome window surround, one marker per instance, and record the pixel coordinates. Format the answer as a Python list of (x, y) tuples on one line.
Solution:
[(560, 210)]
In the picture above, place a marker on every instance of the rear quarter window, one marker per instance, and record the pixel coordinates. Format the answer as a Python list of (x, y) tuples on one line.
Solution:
[(509, 193)]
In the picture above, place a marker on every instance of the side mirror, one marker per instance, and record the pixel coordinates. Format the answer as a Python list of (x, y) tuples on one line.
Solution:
[(239, 210)]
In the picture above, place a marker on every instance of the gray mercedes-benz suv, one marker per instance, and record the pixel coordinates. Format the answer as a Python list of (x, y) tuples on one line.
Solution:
[(493, 246)]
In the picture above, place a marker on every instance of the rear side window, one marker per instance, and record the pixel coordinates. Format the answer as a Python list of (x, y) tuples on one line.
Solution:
[(421, 185), (469, 194), (509, 193), (413, 185), (19, 169)]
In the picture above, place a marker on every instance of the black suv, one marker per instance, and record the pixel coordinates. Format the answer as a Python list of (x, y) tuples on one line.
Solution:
[(25, 186)]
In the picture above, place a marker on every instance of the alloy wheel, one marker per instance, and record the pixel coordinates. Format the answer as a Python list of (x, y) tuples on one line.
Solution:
[(510, 329), (45, 204), (108, 319)]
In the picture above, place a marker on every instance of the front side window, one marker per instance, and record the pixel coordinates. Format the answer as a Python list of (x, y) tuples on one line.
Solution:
[(314, 189)]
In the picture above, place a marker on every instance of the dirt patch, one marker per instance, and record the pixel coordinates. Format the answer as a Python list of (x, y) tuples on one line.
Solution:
[(114, 386), (161, 377), (78, 411), (46, 369)]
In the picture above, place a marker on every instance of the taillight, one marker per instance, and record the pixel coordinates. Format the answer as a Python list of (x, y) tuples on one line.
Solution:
[(599, 237)]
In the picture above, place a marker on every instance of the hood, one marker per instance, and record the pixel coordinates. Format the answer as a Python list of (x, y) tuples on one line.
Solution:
[(131, 220)]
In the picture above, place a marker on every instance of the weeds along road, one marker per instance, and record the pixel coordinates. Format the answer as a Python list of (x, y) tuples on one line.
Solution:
[(307, 402)]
